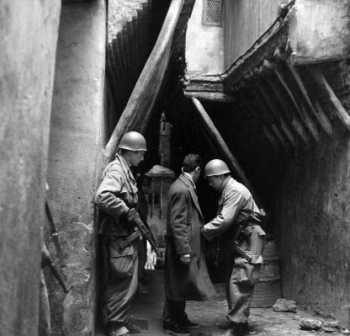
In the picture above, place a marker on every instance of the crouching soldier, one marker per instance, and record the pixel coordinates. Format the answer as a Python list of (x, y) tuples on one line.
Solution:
[(238, 223), (117, 198)]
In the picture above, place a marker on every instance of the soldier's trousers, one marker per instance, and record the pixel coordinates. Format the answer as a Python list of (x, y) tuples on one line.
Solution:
[(242, 276), (121, 279)]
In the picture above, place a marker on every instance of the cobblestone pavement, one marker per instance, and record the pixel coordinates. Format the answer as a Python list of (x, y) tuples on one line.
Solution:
[(264, 322)]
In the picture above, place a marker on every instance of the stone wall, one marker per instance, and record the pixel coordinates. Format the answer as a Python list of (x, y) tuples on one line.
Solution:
[(75, 158), (314, 219), (26, 79)]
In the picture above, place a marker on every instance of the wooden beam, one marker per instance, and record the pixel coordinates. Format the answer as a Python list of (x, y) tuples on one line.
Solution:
[(138, 110), (219, 97), (293, 124), (256, 109), (304, 118), (224, 149), (328, 92), (266, 127), (290, 117), (271, 139), (265, 117), (277, 118), (304, 93)]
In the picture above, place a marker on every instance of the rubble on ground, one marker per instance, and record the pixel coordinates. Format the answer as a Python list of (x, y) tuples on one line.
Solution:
[(283, 305)]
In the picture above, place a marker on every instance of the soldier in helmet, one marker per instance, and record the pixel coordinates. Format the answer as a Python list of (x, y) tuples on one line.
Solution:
[(117, 198), (237, 222)]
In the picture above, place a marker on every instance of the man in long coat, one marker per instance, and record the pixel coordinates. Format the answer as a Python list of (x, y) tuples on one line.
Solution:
[(186, 275)]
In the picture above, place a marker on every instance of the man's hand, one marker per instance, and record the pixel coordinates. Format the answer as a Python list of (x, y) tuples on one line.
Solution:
[(185, 258), (151, 260), (204, 232), (132, 216)]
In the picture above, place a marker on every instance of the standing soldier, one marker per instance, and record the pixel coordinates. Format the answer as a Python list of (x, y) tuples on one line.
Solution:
[(238, 223), (186, 275), (117, 199)]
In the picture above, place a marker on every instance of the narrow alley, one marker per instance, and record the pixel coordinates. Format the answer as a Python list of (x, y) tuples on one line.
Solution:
[(264, 321), (114, 112)]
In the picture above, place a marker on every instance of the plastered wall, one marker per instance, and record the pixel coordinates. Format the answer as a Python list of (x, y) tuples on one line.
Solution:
[(314, 220), (27, 60), (75, 158)]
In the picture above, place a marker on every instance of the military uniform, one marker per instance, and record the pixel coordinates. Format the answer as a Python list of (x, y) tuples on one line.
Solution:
[(116, 194), (236, 207)]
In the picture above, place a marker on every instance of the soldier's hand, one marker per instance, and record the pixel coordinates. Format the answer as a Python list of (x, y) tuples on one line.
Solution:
[(151, 260), (132, 216), (185, 258)]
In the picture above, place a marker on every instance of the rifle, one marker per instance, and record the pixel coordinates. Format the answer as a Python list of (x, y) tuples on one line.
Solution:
[(55, 269), (54, 233), (144, 231), (54, 265)]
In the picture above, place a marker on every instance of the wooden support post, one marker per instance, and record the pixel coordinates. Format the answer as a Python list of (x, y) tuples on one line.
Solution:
[(304, 118), (306, 97), (224, 149), (265, 127), (278, 120), (278, 91), (260, 114), (294, 126), (339, 109), (269, 136), (293, 120), (140, 104)]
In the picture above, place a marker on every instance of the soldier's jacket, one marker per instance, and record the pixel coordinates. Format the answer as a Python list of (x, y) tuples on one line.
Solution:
[(235, 206), (116, 194)]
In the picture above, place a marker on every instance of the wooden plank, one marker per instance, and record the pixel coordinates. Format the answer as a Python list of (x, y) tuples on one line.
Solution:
[(224, 149), (305, 95), (305, 118), (280, 109), (270, 108), (145, 92), (289, 117), (339, 109), (220, 97), (266, 120), (271, 139)]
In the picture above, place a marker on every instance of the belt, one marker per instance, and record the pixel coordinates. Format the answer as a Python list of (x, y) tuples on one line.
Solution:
[(129, 239)]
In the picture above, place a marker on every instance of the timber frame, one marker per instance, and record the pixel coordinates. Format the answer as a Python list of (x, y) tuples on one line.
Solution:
[(267, 83)]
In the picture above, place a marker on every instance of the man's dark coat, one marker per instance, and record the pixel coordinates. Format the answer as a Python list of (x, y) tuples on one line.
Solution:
[(184, 222)]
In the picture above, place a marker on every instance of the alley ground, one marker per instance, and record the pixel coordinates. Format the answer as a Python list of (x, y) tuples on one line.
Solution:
[(264, 322)]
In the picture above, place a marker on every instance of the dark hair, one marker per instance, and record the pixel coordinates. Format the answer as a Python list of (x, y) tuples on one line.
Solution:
[(191, 162)]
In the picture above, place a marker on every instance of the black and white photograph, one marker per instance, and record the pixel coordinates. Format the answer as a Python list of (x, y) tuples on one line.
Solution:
[(175, 167)]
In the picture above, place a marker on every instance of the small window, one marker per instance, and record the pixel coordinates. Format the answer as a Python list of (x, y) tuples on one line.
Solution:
[(212, 13)]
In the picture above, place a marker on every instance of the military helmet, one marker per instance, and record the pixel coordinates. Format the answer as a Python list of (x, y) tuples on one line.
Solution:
[(133, 141), (216, 167)]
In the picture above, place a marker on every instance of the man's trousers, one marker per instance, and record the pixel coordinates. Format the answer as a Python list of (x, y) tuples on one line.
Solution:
[(121, 280)]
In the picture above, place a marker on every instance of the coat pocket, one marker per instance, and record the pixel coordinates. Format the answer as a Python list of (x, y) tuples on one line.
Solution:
[(122, 261)]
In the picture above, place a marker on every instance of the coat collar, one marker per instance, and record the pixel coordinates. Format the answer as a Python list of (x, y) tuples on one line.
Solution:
[(191, 187)]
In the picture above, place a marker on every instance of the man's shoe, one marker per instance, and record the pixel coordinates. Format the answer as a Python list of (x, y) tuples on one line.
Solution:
[(189, 324), (176, 328), (133, 329), (240, 329), (226, 325)]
